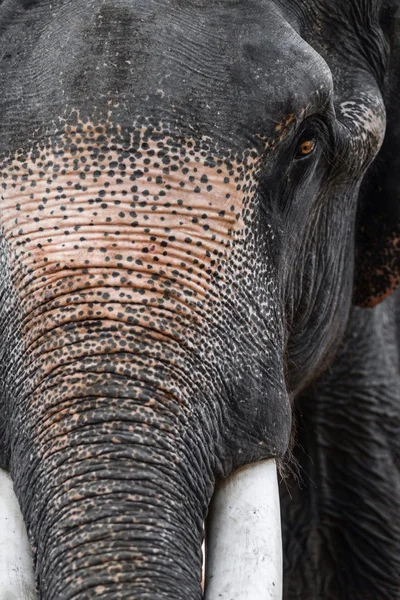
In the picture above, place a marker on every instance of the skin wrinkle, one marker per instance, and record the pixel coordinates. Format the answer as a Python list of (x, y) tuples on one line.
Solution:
[(124, 353), (160, 401), (36, 343)]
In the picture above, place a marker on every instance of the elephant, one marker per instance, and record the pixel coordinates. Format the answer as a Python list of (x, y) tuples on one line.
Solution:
[(200, 226)]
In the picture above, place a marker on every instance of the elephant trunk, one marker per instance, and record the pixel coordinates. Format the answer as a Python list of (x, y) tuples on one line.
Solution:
[(138, 372), (114, 493)]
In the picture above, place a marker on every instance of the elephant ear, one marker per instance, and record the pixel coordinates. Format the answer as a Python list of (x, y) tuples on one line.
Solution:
[(377, 265)]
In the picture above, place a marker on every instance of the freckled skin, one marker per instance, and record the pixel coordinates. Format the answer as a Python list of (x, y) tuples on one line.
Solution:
[(179, 186)]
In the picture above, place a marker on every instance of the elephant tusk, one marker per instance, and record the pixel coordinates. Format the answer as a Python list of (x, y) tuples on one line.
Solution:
[(16, 571), (244, 540)]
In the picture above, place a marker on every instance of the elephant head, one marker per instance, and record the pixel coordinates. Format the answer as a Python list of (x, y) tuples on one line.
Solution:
[(180, 184)]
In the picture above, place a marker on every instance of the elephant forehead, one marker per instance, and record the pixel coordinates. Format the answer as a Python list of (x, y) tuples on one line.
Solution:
[(242, 80), (229, 72)]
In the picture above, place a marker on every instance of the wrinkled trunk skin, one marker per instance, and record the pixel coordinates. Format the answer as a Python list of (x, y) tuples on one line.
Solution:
[(111, 474), (117, 276), (115, 500)]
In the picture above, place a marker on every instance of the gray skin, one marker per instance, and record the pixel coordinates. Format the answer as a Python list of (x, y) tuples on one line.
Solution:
[(341, 525), (180, 221)]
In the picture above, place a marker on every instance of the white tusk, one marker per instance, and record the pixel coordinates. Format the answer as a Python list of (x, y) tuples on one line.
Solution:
[(244, 543), (16, 572)]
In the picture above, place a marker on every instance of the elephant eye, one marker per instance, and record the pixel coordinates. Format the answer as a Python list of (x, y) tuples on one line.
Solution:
[(306, 147), (313, 129)]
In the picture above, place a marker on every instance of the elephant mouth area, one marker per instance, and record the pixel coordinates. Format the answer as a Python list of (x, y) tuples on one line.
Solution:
[(242, 558)]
